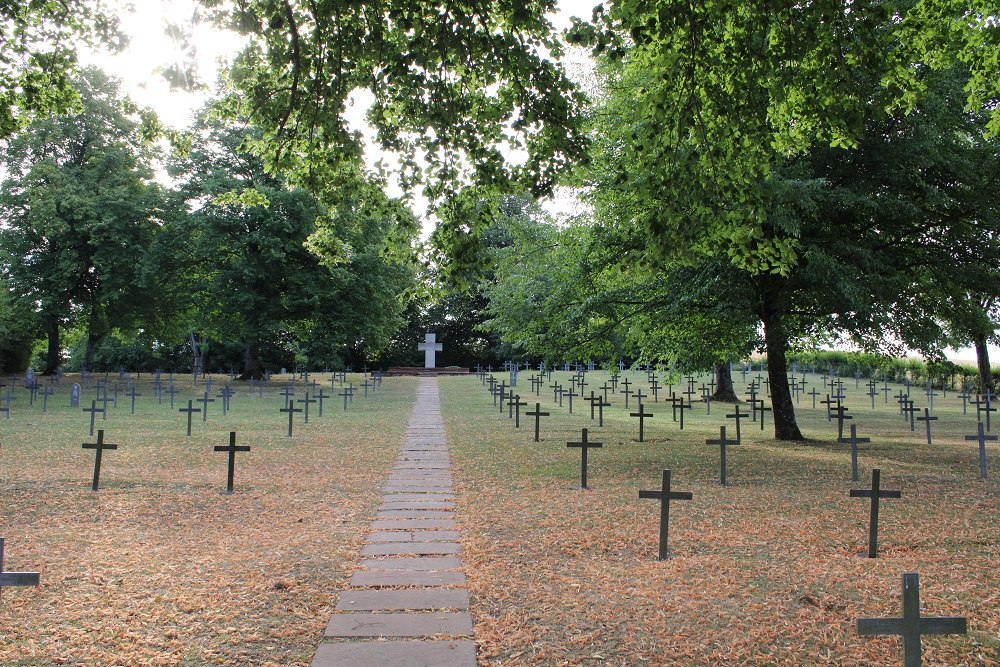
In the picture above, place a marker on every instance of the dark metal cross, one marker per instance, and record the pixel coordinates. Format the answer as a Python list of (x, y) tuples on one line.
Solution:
[(927, 419), (983, 439), (665, 495), (853, 441), (722, 442), (232, 448), (15, 578), (93, 410), (911, 626), (132, 393), (190, 411), (911, 410), (320, 397), (516, 404), (601, 404), (842, 416), (876, 493), (100, 446), (348, 394), (537, 414), (287, 392), (681, 407), (584, 445), (642, 415), (291, 410), (205, 400), (737, 415), (306, 402), (570, 394)]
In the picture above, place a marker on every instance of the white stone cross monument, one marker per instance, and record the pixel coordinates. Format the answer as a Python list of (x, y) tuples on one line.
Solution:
[(429, 347)]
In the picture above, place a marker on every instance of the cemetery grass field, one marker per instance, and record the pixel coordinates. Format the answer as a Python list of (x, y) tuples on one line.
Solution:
[(159, 567), (768, 570)]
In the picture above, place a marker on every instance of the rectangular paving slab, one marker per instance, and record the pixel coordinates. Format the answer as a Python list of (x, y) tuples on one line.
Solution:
[(440, 653), (410, 548), (410, 524), (415, 563), (378, 578), (417, 505), (413, 536), (418, 497), (415, 514), (423, 598), (457, 623)]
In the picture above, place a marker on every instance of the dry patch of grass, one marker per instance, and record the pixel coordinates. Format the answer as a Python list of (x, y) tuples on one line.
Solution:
[(766, 571), (160, 567)]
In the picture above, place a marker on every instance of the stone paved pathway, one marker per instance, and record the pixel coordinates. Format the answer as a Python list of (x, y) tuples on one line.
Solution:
[(407, 605)]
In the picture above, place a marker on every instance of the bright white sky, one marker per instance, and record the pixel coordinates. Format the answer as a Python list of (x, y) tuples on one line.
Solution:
[(151, 49)]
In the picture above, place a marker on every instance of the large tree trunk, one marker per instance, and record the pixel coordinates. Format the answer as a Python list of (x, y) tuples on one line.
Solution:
[(54, 355), (251, 363), (983, 363), (197, 345), (88, 359), (724, 390), (776, 344)]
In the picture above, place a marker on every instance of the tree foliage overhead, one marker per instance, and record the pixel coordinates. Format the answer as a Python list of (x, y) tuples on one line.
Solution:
[(38, 41), (456, 82)]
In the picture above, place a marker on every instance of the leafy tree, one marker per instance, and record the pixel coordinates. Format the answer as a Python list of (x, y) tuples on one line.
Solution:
[(241, 265), (39, 63), (768, 138), (80, 210), (454, 86), (20, 327)]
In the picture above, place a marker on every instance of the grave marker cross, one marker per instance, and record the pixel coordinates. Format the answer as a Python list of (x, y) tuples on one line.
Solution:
[(927, 419), (190, 411), (642, 415), (584, 445), (911, 626), (983, 439), (854, 440), (537, 414), (15, 578), (100, 446), (876, 494), (516, 405), (291, 410), (205, 400), (232, 448), (722, 442), (305, 402), (93, 410), (665, 495), (737, 415), (430, 347)]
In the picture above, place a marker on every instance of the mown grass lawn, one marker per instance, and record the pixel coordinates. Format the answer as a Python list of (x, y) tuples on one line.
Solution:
[(766, 571)]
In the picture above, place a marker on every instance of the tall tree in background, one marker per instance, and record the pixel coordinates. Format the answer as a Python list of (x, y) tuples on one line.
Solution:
[(242, 267), (763, 138), (80, 210)]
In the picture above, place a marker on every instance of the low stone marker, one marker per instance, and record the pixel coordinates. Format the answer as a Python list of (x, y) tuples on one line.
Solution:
[(912, 626), (584, 445), (99, 446), (665, 495), (15, 578), (232, 448), (876, 494)]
